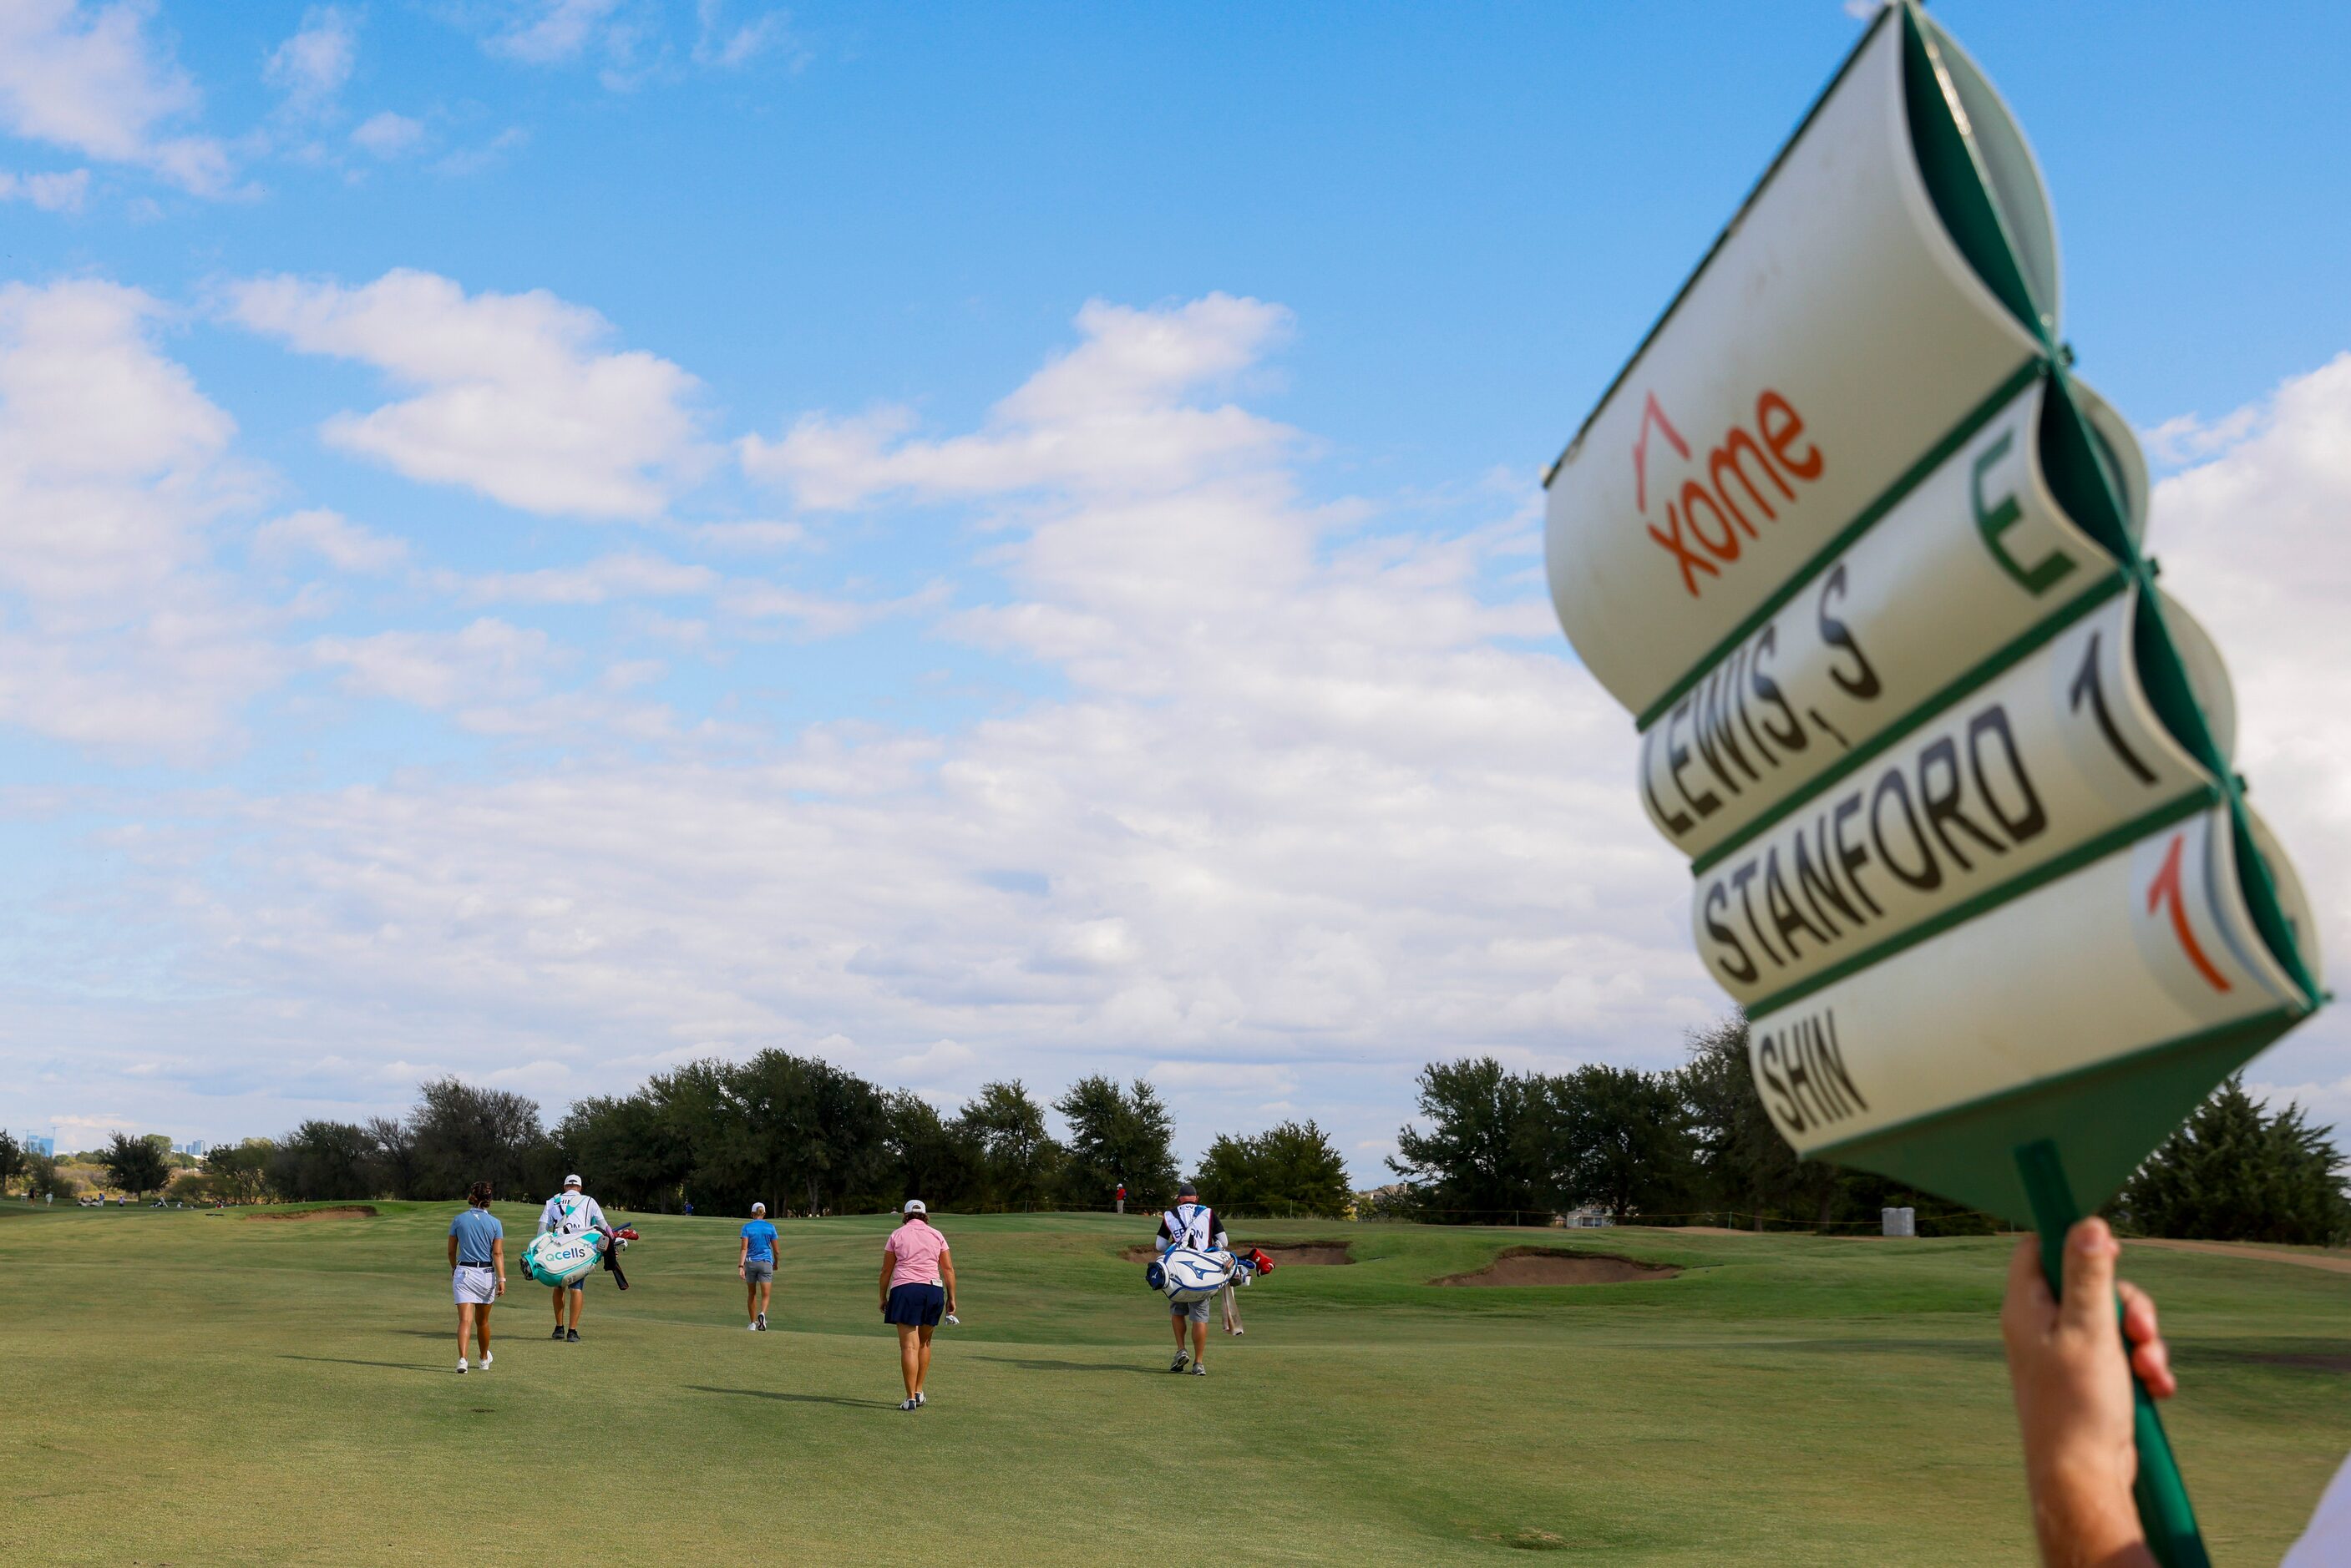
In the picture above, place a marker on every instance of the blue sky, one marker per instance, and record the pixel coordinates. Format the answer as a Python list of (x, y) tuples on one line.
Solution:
[(975, 541)]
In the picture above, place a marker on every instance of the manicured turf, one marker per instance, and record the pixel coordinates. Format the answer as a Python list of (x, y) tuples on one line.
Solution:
[(201, 1388)]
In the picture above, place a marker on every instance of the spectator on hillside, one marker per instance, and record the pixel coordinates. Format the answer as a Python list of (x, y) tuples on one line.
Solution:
[(1191, 1223), (477, 1264), (2071, 1370), (918, 1283), (570, 1213), (755, 1265)]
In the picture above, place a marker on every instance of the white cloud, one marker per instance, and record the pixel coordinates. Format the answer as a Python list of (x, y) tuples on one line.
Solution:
[(487, 155), (2252, 543), (947, 1061), (1238, 1080), (727, 46), (80, 1135), (552, 32), (492, 677), (813, 617), (516, 397), (1299, 815), (88, 78), (115, 629), (389, 135), (629, 575), (1108, 418), (488, 660), (333, 538), (751, 535), (2187, 438), (2323, 1103), (50, 192), (311, 67), (631, 40)]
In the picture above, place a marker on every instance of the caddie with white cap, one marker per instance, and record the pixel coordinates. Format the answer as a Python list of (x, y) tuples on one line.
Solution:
[(1191, 1223), (568, 1213)]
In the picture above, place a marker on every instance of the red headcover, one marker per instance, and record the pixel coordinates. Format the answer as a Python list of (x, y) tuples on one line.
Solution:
[(1259, 1262)]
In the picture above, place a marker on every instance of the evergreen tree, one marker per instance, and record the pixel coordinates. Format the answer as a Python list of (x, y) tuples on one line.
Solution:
[(12, 1160), (1741, 1160), (1020, 1162), (1478, 1162), (461, 1132), (933, 1160), (242, 1169), (2235, 1173), (322, 1160), (395, 1156), (640, 1158), (1116, 1135), (1622, 1139), (135, 1164), (1291, 1169), (43, 1178)]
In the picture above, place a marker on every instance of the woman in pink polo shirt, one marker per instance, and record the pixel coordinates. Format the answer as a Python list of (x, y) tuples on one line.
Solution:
[(914, 1264)]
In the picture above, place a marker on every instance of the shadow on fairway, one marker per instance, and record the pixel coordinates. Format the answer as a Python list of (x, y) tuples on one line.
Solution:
[(798, 1398), (2293, 1355), (1066, 1366), (1979, 1348), (388, 1366)]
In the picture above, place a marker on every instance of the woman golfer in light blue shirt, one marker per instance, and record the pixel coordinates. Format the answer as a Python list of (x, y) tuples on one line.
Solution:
[(477, 1264)]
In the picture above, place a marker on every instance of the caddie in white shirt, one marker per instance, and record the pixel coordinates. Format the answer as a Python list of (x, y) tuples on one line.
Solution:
[(568, 1213), (1191, 1223)]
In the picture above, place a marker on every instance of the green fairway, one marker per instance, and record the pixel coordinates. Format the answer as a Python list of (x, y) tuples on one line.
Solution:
[(201, 1388)]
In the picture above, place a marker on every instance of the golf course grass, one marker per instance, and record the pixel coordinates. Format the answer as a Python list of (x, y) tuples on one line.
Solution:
[(203, 1387)]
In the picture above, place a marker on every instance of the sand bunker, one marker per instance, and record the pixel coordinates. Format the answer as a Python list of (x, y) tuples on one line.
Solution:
[(1550, 1266), (1283, 1256), (350, 1211), (1308, 1252)]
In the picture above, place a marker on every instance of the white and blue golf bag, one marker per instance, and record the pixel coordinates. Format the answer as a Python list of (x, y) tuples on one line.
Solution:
[(1188, 1270), (1187, 1274)]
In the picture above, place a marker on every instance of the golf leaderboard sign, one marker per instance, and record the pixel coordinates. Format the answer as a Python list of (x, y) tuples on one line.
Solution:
[(1863, 560)]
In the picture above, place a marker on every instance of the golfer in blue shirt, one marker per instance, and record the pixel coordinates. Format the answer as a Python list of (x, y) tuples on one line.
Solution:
[(755, 1266), (477, 1264)]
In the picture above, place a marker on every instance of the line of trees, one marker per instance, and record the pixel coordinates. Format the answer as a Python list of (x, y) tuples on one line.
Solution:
[(1694, 1142), (1689, 1142), (133, 1165), (798, 1134)]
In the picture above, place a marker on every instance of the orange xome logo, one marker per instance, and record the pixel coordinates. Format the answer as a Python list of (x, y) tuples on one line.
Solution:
[(1698, 549)]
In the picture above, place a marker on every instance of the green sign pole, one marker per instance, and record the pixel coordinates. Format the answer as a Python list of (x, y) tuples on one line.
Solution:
[(2163, 1510)]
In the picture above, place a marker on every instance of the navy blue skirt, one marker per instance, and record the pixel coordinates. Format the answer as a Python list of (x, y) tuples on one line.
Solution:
[(918, 1306)]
